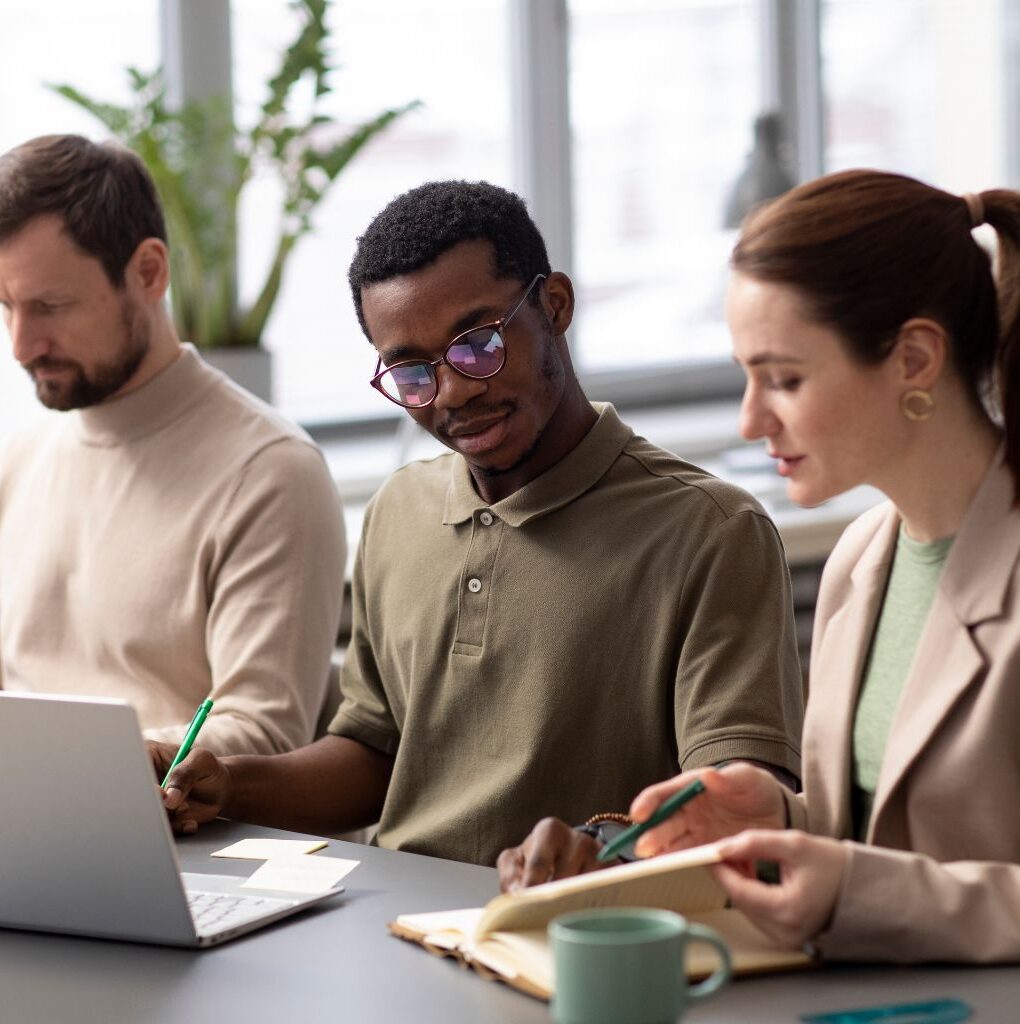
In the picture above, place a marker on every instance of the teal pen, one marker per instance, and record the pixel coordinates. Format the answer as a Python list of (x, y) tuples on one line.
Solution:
[(189, 738), (939, 1011), (666, 809)]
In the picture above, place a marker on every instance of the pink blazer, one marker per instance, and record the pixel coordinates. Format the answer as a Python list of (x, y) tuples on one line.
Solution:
[(939, 875)]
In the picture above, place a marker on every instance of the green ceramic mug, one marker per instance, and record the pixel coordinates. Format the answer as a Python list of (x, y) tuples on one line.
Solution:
[(625, 966)]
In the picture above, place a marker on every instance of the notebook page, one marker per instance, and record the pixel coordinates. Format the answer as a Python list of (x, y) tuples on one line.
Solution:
[(446, 929), (675, 881)]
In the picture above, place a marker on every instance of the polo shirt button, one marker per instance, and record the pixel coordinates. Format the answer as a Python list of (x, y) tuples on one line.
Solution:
[(474, 585), (486, 518)]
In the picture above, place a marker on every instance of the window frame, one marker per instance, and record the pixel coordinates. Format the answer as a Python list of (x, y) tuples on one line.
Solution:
[(195, 43), (196, 47)]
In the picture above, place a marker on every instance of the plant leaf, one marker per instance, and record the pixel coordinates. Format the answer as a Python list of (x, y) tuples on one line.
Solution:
[(200, 162)]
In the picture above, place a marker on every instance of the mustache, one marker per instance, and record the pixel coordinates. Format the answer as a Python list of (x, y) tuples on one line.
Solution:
[(49, 363), (471, 414)]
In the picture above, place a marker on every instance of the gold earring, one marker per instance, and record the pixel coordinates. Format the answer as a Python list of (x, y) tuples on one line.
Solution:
[(917, 405)]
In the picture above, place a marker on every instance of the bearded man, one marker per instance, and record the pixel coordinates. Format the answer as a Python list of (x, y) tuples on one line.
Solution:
[(168, 537)]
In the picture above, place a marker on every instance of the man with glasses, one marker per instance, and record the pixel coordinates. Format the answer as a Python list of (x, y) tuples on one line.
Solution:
[(545, 620)]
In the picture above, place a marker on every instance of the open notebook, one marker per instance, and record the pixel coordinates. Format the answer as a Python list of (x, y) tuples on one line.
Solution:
[(506, 939)]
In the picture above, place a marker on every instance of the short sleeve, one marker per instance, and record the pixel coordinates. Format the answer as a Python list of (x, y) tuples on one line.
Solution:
[(364, 714), (739, 690)]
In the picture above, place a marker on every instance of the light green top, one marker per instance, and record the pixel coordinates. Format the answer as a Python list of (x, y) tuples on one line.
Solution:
[(909, 593)]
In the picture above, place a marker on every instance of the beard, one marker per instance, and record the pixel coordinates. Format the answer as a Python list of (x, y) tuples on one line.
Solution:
[(84, 388)]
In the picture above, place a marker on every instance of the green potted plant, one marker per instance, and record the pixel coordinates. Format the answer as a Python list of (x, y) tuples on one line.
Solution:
[(201, 161)]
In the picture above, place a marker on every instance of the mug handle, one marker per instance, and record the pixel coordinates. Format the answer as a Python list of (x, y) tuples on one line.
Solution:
[(723, 972)]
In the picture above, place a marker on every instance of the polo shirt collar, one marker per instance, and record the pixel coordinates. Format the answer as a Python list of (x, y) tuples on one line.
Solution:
[(578, 471), (146, 409)]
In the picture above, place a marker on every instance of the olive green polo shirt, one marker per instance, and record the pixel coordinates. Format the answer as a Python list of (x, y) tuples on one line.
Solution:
[(623, 615)]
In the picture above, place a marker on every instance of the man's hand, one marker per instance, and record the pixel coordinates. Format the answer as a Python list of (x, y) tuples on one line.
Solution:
[(198, 788), (810, 870), (736, 797), (552, 850)]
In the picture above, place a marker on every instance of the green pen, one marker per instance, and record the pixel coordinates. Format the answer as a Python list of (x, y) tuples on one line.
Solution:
[(666, 809), (189, 738)]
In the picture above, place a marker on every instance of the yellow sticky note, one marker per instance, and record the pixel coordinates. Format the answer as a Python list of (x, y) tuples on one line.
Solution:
[(267, 849), (300, 874)]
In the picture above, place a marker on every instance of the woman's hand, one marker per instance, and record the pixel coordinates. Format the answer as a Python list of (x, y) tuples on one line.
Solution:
[(737, 797), (810, 871)]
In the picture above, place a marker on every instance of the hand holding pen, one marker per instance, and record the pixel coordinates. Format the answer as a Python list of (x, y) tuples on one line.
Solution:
[(666, 809), (736, 797), (196, 784)]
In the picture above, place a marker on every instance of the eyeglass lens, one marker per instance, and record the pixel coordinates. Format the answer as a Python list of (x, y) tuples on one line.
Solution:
[(478, 354)]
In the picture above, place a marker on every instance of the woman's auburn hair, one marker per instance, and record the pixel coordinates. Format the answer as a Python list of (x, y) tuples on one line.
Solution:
[(868, 250)]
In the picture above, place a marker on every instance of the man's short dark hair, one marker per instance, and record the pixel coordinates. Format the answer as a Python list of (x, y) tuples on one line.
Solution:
[(102, 192), (419, 226)]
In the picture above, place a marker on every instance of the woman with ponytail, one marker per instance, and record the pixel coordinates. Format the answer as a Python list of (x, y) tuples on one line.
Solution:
[(880, 349)]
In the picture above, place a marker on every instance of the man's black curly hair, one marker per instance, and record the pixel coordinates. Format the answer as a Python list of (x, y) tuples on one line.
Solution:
[(419, 226)]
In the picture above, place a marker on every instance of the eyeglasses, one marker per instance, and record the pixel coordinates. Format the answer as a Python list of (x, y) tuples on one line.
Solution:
[(477, 354)]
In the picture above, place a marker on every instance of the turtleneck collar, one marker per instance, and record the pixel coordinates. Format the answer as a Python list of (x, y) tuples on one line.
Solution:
[(149, 408)]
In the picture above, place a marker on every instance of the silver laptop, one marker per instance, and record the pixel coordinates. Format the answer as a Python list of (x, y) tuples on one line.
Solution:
[(85, 847)]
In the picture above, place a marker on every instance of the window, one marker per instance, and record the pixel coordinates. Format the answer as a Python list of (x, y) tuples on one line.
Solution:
[(663, 96), (920, 88), (453, 57)]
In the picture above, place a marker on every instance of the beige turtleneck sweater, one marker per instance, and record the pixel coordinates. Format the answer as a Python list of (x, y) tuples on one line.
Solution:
[(180, 542)]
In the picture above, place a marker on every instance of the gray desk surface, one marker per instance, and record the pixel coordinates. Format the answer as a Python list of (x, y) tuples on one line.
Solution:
[(337, 962)]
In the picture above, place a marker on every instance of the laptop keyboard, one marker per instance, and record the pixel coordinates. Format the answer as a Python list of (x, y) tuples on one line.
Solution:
[(216, 911)]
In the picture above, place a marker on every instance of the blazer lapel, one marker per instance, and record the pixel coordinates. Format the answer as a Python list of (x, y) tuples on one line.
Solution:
[(947, 663), (835, 682), (973, 589)]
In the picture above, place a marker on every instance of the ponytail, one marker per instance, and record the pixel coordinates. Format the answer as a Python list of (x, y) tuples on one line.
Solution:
[(1002, 212)]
